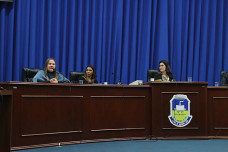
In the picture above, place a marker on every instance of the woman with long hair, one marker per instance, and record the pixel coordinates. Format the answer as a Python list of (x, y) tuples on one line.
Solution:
[(90, 75), (164, 73), (49, 73)]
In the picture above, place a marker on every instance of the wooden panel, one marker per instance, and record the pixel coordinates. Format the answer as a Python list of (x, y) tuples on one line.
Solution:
[(165, 106), (5, 120), (117, 113), (136, 112), (48, 115), (45, 114), (162, 93), (106, 113), (218, 113)]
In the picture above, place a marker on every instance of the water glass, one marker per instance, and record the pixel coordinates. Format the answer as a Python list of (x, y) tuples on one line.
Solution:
[(216, 84), (80, 81), (189, 79)]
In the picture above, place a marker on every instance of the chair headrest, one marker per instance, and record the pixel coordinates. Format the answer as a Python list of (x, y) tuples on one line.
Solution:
[(151, 73), (224, 72), (74, 76), (28, 74), (223, 78)]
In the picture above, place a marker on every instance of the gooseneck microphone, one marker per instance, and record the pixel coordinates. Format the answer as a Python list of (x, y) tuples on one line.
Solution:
[(119, 82)]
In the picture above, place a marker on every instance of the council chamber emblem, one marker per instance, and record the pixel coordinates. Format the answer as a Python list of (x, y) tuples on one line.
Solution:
[(180, 110)]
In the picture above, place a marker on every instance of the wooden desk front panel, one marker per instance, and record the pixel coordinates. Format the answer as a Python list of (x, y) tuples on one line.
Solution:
[(162, 93), (218, 111), (119, 112), (48, 113), (44, 114), (5, 120), (66, 113)]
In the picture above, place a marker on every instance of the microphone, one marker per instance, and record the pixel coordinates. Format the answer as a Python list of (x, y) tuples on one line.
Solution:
[(119, 82)]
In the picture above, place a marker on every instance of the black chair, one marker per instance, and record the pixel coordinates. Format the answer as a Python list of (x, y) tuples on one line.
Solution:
[(74, 76), (28, 74), (151, 74), (224, 78)]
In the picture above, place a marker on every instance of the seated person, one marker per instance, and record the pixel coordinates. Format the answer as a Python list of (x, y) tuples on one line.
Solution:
[(49, 74), (90, 75), (164, 73), (224, 79)]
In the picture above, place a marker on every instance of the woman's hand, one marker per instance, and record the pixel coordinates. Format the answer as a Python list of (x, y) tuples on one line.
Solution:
[(53, 80)]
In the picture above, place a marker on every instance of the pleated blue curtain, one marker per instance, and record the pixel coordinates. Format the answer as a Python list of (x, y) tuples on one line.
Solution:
[(6, 41), (121, 38)]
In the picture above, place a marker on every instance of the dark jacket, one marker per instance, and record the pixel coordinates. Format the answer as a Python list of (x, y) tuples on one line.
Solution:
[(86, 82), (158, 77)]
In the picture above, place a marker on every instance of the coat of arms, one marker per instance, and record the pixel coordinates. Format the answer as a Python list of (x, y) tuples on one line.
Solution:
[(180, 110)]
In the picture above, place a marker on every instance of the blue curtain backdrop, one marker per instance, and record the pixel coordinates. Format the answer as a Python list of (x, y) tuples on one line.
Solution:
[(121, 38)]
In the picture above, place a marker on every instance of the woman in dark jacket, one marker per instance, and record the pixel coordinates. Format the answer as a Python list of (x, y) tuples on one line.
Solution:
[(90, 75), (164, 73)]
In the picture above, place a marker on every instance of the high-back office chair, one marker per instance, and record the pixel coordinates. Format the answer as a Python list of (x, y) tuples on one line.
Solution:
[(224, 78), (74, 76), (28, 74), (151, 74)]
